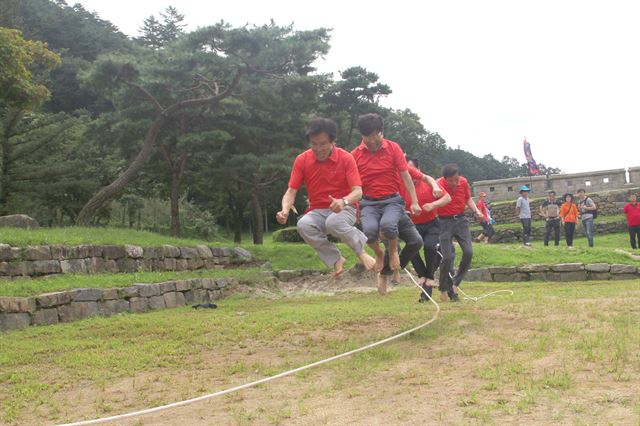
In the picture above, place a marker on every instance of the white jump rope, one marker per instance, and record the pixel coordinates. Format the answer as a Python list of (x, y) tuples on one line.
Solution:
[(267, 379)]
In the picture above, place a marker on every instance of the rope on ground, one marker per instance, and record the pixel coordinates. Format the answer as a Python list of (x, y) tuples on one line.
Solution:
[(266, 379)]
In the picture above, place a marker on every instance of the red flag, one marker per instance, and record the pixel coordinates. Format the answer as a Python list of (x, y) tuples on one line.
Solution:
[(533, 167)]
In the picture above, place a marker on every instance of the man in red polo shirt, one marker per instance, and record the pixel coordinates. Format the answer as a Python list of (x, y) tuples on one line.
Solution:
[(380, 161), (454, 224), (333, 185)]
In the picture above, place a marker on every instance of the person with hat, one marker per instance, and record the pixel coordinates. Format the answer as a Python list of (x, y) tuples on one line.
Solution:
[(487, 227), (550, 210), (523, 211)]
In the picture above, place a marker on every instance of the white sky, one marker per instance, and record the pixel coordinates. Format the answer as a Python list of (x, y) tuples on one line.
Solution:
[(483, 74)]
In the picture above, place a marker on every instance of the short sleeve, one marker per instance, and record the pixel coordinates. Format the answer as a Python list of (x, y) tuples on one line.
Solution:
[(519, 203), (351, 171), (414, 173), (398, 158), (297, 173)]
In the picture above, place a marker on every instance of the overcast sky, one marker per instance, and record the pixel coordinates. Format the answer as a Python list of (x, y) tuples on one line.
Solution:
[(483, 74)]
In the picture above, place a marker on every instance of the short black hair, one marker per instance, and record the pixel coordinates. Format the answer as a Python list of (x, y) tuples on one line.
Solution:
[(370, 123), (322, 125), (568, 194), (581, 190), (450, 169), (552, 192)]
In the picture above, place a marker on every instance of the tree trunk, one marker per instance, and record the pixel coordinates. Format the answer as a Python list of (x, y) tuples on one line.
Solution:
[(117, 186), (13, 117), (237, 228), (257, 229)]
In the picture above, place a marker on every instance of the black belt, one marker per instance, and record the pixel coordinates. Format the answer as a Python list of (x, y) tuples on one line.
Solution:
[(455, 216), (364, 197)]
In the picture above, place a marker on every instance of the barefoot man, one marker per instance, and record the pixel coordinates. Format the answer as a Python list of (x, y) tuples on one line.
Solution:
[(333, 185), (380, 162)]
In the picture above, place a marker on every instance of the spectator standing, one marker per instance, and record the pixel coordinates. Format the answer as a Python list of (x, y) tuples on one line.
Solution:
[(569, 218), (523, 211), (550, 210), (586, 207), (632, 212)]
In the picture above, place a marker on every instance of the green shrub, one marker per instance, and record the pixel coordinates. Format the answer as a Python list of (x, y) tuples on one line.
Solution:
[(287, 235)]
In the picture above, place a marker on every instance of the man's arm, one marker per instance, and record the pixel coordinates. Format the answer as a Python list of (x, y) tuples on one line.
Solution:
[(472, 205), (542, 211), (337, 204), (288, 199), (437, 191), (411, 189), (440, 202)]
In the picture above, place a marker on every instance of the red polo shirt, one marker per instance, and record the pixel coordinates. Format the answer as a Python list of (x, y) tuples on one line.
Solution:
[(633, 214), (459, 197), (379, 170), (424, 193), (335, 176), (483, 209)]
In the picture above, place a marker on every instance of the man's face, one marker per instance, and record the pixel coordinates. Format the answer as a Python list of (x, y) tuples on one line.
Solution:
[(633, 198), (373, 141), (552, 196), (524, 194), (321, 145), (453, 181), (582, 195)]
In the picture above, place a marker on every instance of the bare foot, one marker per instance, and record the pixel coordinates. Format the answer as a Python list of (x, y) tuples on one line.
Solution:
[(394, 260), (444, 296), (379, 264), (338, 267), (395, 278), (367, 261), (429, 282), (382, 284)]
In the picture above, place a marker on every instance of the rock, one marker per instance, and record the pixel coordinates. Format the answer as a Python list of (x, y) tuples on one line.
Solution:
[(151, 252), (572, 276), (223, 282), (74, 266), (169, 264), (109, 294), (623, 269), (5, 252), (113, 252), (188, 253), (601, 276), (129, 292), (156, 302), (166, 287), (195, 283), (481, 274), (87, 295), (180, 301), (624, 277), (134, 252), (18, 221), (37, 253), (209, 283), (597, 267), (204, 252), (148, 290), (170, 251), (567, 267), (242, 255), (196, 263), (43, 267), (182, 285), (170, 299), (139, 304), (18, 304), (77, 310), (182, 265), (502, 269), (45, 317), (14, 321), (512, 277), (220, 251), (533, 268), (48, 300)]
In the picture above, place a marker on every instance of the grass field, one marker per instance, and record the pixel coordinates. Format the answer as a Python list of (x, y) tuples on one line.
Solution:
[(553, 353)]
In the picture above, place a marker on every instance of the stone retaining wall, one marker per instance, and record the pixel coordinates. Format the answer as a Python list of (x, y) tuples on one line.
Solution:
[(511, 235), (561, 272), (58, 259), (73, 305)]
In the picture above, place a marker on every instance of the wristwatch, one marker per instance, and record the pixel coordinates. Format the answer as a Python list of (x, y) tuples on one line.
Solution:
[(345, 201)]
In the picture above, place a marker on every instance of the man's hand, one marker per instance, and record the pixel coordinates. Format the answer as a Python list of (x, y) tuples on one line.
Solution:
[(337, 204), (282, 217), (415, 209), (479, 216), (437, 192), (428, 207)]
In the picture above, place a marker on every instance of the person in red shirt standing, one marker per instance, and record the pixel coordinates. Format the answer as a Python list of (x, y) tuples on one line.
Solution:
[(334, 186), (632, 211), (487, 227), (454, 224), (379, 162)]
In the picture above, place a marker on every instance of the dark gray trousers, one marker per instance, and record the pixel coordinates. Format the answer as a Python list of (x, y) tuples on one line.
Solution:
[(380, 218), (458, 229)]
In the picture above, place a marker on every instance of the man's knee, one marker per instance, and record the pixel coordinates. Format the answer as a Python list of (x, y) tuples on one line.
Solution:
[(389, 229), (306, 225)]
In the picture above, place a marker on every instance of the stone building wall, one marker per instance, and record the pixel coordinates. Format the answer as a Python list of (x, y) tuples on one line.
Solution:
[(602, 180)]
